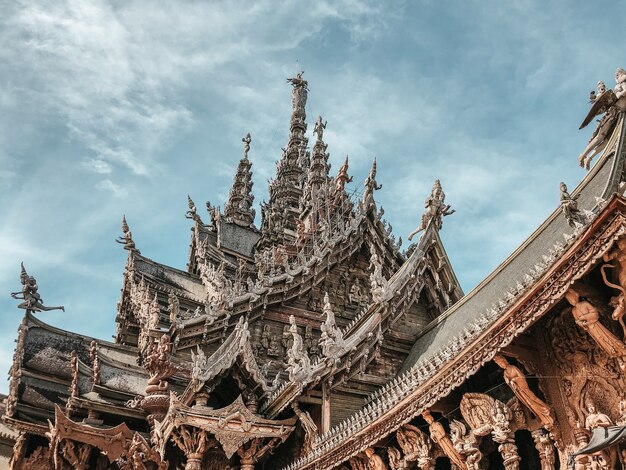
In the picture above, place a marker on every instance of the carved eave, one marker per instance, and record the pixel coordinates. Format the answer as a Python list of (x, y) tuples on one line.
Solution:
[(232, 426), (112, 441), (447, 363), (235, 351)]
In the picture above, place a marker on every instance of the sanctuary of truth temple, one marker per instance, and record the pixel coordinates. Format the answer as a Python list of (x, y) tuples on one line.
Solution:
[(316, 342)]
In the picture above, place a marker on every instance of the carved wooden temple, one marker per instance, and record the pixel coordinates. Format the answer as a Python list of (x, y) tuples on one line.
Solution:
[(314, 342)]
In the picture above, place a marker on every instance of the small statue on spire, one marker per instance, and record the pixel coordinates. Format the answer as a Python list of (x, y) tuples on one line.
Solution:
[(436, 209), (246, 145), (192, 212), (319, 128), (30, 295), (126, 238), (298, 81), (371, 185)]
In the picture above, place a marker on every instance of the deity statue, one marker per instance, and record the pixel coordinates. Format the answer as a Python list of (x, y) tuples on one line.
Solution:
[(173, 307), (192, 212), (246, 145), (371, 185), (595, 419), (319, 128), (127, 237), (436, 209), (439, 436), (30, 295), (516, 380), (569, 206), (607, 102), (587, 316)]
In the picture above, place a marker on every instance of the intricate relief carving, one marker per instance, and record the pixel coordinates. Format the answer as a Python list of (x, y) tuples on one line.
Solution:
[(466, 444), (588, 372), (396, 462), (618, 302), (416, 446)]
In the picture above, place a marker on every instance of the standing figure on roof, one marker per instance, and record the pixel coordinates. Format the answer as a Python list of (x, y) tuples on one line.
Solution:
[(29, 293), (569, 206), (610, 103), (436, 209)]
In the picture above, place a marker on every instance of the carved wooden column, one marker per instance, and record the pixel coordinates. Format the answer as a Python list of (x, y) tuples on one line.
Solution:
[(503, 435), (544, 446), (194, 443), (254, 451)]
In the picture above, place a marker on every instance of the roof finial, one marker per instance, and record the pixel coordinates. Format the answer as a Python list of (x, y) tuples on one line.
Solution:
[(30, 295), (126, 238), (436, 209), (371, 185), (192, 213)]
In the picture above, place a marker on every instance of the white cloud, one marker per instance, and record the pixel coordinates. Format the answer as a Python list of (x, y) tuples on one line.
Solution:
[(97, 166), (108, 185)]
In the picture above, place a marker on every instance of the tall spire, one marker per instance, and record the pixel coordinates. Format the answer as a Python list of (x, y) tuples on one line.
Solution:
[(239, 206), (280, 214), (316, 183)]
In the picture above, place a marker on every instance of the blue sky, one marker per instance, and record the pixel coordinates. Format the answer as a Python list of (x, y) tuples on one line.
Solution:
[(119, 107)]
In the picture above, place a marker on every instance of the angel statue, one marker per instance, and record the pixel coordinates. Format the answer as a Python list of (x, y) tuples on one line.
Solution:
[(435, 209), (29, 293), (607, 102)]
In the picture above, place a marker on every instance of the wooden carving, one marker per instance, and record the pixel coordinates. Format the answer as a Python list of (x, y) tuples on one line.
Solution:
[(588, 372), (396, 462), (587, 316), (416, 445), (618, 302), (516, 380), (375, 461), (478, 410), (466, 444), (544, 446), (439, 436)]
